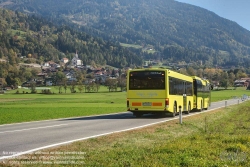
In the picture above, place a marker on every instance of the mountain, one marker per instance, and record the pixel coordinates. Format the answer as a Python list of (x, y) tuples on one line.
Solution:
[(176, 31), (23, 35)]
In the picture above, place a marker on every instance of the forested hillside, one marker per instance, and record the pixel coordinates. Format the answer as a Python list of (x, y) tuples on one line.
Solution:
[(177, 31), (30, 36)]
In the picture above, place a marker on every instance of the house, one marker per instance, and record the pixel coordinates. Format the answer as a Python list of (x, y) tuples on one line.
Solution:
[(42, 75), (65, 60), (100, 78), (70, 76), (48, 81), (48, 64), (243, 82)]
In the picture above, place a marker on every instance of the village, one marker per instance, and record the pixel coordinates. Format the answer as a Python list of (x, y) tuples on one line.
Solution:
[(68, 72), (71, 72)]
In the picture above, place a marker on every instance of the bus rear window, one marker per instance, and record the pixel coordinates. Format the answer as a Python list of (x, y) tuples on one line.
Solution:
[(147, 80)]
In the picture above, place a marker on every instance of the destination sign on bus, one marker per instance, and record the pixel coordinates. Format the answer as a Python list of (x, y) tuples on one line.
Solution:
[(146, 73)]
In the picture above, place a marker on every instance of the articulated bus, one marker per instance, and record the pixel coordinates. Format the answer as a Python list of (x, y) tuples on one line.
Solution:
[(163, 91)]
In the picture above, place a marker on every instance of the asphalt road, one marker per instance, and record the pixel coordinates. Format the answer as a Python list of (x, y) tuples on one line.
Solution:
[(23, 138)]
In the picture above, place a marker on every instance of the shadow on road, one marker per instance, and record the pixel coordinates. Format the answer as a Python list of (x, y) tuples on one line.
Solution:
[(114, 116)]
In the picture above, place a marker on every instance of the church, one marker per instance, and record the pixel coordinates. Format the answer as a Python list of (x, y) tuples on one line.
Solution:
[(76, 61)]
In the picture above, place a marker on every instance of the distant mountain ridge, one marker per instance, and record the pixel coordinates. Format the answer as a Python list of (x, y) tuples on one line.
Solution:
[(177, 31)]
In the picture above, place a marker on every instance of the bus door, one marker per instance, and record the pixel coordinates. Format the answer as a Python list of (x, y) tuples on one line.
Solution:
[(195, 94), (185, 97)]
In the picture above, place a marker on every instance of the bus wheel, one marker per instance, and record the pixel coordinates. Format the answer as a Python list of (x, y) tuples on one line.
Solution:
[(175, 110), (201, 107), (137, 114), (189, 109)]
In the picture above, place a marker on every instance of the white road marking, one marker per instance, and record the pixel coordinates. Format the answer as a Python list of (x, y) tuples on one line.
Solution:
[(43, 127), (12, 124), (85, 138)]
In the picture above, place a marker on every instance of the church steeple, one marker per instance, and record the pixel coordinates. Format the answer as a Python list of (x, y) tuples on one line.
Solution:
[(76, 55), (76, 61)]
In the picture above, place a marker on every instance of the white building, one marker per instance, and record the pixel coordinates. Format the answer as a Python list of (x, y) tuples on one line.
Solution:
[(65, 60), (76, 61)]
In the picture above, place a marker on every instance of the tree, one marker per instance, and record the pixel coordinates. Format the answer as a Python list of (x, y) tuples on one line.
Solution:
[(65, 84), (72, 88), (113, 73), (183, 71), (122, 82), (9, 80), (2, 83), (58, 77), (111, 83), (240, 74), (80, 86), (1, 54), (33, 87), (200, 73), (34, 72), (191, 71), (79, 76), (17, 82), (224, 83), (231, 78), (59, 89)]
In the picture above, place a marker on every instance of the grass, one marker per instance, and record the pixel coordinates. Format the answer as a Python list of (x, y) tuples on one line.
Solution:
[(131, 46), (15, 108), (216, 138), (15, 32), (33, 107), (161, 66), (224, 94)]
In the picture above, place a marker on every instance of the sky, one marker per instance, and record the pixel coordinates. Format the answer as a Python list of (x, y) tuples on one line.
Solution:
[(235, 10)]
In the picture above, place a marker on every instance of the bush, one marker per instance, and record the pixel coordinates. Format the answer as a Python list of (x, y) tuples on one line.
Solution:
[(46, 91), (33, 91)]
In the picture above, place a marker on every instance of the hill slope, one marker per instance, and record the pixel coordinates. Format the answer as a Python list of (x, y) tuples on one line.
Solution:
[(34, 37), (178, 31)]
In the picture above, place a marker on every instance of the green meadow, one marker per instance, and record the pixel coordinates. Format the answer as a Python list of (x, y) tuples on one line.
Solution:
[(224, 94), (25, 107), (131, 46), (33, 107)]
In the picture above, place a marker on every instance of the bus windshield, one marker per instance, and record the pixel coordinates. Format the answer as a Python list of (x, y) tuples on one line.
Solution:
[(147, 80)]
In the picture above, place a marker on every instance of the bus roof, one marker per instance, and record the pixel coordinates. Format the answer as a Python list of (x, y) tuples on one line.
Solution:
[(203, 80), (171, 73)]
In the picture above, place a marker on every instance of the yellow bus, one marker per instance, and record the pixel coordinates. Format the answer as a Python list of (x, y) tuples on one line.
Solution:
[(163, 91), (202, 94)]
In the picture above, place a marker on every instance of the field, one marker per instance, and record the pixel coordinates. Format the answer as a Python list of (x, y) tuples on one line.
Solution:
[(136, 47), (217, 138), (131, 46), (224, 94), (33, 107)]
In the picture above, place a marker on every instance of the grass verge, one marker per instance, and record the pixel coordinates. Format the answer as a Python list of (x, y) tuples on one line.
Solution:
[(216, 138)]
